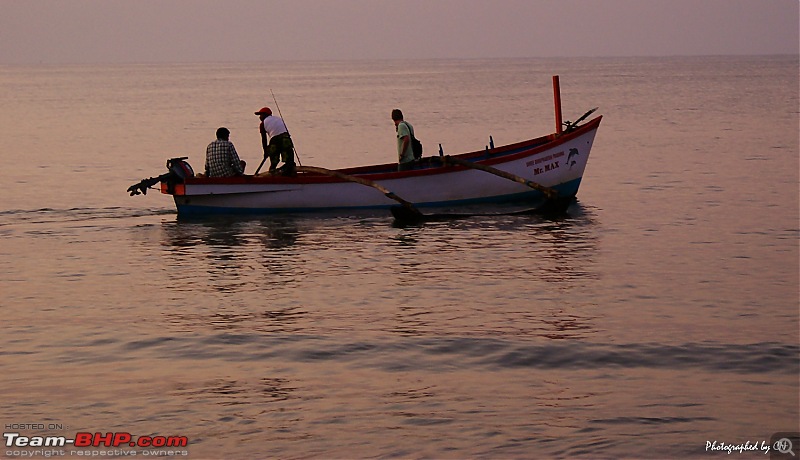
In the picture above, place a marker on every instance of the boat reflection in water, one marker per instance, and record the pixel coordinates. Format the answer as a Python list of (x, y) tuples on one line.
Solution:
[(277, 273)]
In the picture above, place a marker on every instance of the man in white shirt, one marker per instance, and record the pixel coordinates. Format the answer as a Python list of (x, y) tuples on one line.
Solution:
[(276, 142)]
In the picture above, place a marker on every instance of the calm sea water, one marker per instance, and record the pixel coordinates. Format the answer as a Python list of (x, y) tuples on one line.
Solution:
[(659, 315)]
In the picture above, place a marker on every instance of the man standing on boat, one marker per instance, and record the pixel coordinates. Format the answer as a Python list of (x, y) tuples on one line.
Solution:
[(405, 154), (221, 157), (276, 142)]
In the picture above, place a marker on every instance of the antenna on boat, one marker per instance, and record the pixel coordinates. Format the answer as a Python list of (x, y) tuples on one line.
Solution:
[(296, 155)]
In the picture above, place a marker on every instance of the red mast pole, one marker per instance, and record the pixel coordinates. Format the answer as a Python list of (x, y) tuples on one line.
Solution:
[(557, 101)]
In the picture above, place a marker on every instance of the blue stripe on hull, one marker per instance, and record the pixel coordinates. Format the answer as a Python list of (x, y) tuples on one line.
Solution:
[(566, 189)]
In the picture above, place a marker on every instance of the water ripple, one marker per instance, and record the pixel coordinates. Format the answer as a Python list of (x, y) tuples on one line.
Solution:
[(458, 353)]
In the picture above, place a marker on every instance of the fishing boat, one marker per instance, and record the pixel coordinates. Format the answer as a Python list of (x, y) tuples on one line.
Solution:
[(546, 169)]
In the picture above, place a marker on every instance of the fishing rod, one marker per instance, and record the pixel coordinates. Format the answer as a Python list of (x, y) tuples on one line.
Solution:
[(284, 125)]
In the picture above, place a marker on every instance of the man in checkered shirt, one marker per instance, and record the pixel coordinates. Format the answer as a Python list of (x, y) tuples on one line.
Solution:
[(221, 157)]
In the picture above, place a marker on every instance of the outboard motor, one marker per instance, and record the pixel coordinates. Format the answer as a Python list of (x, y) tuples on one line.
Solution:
[(178, 169)]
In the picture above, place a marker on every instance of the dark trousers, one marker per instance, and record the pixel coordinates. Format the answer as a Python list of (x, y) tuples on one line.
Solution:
[(281, 148)]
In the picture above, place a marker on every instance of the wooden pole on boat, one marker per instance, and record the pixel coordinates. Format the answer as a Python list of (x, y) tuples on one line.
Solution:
[(550, 193), (265, 146), (360, 180), (296, 155), (557, 101)]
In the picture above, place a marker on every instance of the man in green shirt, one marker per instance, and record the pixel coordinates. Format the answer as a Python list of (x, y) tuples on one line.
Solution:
[(405, 154)]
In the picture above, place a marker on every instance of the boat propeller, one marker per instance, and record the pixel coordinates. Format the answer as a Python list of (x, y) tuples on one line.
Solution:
[(140, 188)]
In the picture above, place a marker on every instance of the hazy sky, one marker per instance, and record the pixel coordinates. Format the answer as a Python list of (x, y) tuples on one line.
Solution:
[(103, 31)]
